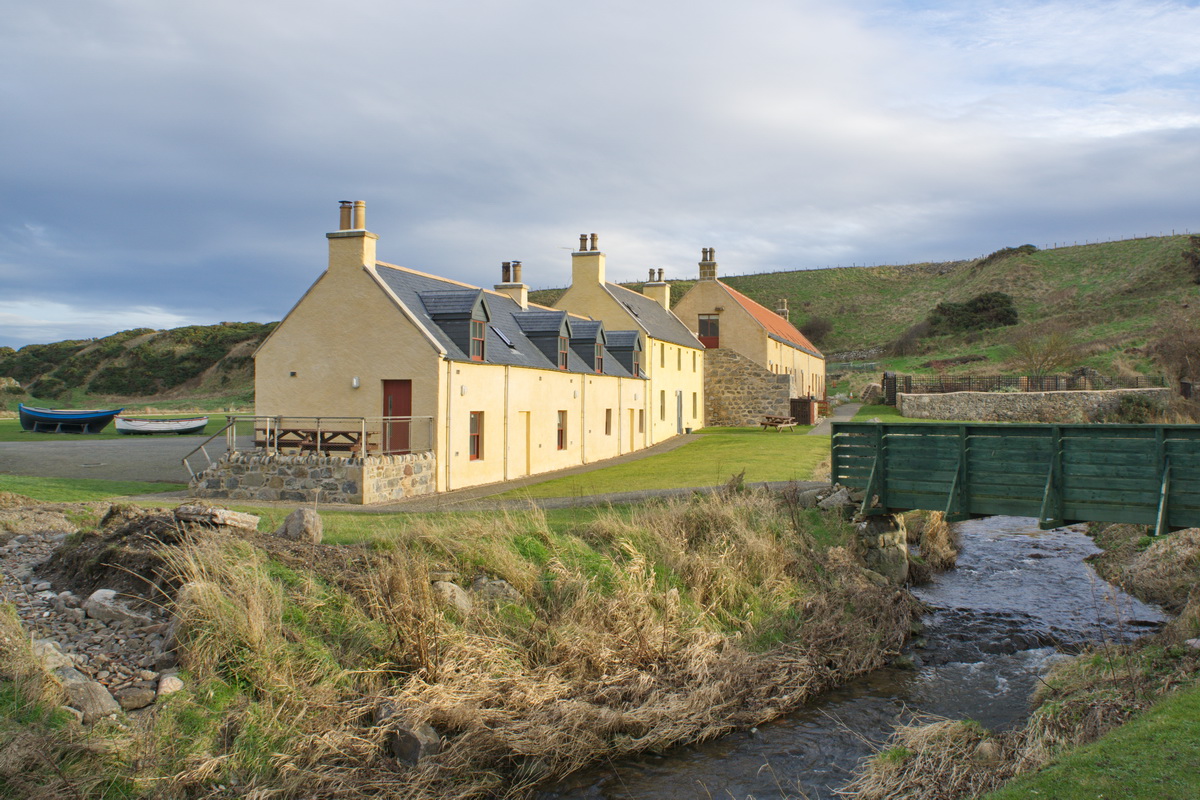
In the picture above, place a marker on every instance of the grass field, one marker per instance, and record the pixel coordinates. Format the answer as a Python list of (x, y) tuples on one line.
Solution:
[(70, 490), (710, 461)]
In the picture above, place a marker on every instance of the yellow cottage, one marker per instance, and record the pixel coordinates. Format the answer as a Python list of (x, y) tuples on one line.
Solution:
[(757, 360), (428, 384)]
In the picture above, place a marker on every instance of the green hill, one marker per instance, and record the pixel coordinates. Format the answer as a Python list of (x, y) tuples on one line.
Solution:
[(1111, 295), (198, 366)]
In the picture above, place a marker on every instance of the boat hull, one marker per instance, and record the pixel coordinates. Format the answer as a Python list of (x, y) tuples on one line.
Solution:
[(63, 420), (144, 427)]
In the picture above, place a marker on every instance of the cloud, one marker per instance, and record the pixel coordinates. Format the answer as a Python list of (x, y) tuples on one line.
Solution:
[(189, 158)]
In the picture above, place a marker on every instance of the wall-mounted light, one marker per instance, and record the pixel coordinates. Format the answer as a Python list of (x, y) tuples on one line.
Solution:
[(576, 394), (354, 384), (463, 389)]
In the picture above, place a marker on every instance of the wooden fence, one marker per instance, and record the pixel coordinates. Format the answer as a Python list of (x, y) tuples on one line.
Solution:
[(1061, 474)]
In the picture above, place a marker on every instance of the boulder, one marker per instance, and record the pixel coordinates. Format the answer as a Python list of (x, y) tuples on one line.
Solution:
[(302, 525), (168, 683), (495, 590), (135, 697), (50, 655), (91, 698), (407, 741), (838, 499), (453, 595), (103, 605)]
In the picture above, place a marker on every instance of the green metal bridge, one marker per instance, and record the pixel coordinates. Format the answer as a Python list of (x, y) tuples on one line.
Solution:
[(1061, 474)]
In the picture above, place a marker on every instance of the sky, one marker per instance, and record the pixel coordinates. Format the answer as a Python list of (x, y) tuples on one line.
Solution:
[(167, 164)]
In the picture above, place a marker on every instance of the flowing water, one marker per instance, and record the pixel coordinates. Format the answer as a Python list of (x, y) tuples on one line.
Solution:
[(1018, 597)]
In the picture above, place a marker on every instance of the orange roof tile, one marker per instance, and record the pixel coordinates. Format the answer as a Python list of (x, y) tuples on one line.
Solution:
[(775, 324)]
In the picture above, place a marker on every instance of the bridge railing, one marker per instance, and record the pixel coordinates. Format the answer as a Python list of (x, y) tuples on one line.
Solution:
[(1061, 474)]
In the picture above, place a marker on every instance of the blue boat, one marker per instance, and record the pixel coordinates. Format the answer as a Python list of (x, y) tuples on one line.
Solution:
[(63, 420)]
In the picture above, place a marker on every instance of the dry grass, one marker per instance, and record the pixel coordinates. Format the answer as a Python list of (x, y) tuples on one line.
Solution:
[(939, 542), (677, 624)]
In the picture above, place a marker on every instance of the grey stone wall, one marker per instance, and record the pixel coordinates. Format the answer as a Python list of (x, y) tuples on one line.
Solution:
[(1067, 407), (738, 391), (257, 475)]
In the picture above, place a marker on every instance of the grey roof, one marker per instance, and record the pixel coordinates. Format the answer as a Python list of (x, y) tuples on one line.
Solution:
[(623, 340), (507, 318), (587, 330), (655, 320), (450, 302)]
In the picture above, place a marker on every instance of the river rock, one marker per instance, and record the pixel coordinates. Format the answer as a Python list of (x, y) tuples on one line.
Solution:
[(838, 499), (135, 697), (302, 525), (454, 596), (103, 605), (218, 517), (85, 694), (50, 655), (168, 683)]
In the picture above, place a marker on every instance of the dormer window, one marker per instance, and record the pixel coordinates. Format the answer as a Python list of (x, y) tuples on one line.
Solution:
[(562, 352), (637, 364), (599, 358), (477, 340)]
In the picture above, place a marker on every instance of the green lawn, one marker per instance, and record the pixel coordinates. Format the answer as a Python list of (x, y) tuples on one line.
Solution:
[(69, 490), (710, 461), (1153, 757)]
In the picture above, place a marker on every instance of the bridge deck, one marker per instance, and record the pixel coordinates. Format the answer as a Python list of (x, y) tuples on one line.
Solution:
[(1144, 474)]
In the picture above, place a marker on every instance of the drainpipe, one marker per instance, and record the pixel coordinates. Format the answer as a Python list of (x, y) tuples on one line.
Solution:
[(507, 411), (583, 431), (449, 395)]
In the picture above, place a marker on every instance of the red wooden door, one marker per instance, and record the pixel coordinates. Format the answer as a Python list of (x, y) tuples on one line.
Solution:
[(397, 402)]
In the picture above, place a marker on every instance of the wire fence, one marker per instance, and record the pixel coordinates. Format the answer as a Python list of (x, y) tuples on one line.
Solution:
[(908, 384)]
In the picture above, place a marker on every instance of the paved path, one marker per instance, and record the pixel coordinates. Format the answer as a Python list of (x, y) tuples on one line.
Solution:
[(842, 413), (131, 458)]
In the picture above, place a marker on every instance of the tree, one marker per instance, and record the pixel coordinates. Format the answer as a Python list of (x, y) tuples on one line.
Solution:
[(1040, 351), (1176, 347)]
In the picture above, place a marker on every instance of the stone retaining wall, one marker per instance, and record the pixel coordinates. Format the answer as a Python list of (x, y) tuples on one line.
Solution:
[(257, 475), (1066, 407), (738, 391)]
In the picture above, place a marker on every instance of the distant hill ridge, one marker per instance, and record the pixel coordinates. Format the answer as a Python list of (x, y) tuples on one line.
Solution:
[(1111, 294)]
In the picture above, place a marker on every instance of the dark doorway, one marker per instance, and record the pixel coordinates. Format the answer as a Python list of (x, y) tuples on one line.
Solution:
[(397, 402)]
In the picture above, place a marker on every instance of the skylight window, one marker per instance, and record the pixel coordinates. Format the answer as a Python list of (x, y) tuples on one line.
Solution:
[(503, 338)]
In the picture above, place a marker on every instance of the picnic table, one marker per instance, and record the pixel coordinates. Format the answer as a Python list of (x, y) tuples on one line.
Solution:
[(318, 440), (778, 423)]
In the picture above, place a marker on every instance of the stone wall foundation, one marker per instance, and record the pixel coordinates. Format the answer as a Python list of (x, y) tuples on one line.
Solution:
[(310, 478), (1066, 407)]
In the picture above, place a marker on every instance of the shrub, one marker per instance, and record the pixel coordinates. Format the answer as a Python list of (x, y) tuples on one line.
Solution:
[(1007, 252), (1135, 409), (988, 310), (908, 343), (816, 329)]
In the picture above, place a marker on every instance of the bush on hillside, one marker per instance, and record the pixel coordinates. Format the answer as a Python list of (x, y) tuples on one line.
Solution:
[(1191, 257), (909, 342), (988, 310), (816, 329), (1007, 252)]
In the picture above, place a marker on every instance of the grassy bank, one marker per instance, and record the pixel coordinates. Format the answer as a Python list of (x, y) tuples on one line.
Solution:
[(629, 631), (1117, 721), (72, 490)]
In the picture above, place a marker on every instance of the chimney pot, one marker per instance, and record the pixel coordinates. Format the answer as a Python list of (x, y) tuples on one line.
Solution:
[(344, 215), (506, 272), (360, 215), (651, 278), (595, 242), (660, 274), (582, 242), (516, 272)]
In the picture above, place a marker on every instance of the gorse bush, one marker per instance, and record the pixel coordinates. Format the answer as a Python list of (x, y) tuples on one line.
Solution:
[(988, 310), (1006, 252)]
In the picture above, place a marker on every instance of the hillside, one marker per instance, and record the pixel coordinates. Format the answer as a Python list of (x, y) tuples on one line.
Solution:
[(1112, 295), (198, 366)]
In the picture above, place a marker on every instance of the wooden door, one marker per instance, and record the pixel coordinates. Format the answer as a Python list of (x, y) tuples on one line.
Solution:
[(397, 402)]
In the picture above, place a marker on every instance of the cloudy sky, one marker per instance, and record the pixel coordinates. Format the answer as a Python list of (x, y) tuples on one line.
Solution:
[(174, 163)]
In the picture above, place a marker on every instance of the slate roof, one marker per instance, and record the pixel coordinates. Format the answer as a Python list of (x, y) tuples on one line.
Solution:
[(419, 292), (655, 320), (777, 327)]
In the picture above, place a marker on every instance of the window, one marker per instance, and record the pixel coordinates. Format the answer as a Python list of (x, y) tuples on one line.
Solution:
[(710, 330), (662, 404), (641, 420), (562, 430), (477, 340), (599, 358), (608, 422), (475, 447), (562, 353), (679, 359), (694, 414), (662, 354), (637, 364), (693, 361)]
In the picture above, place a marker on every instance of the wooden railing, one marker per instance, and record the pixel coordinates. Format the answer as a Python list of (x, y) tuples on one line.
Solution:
[(1061, 474)]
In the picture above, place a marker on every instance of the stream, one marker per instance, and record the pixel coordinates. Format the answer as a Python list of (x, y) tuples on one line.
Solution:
[(1018, 598)]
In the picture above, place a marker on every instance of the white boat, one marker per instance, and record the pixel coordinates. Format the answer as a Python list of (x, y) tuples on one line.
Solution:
[(143, 425)]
